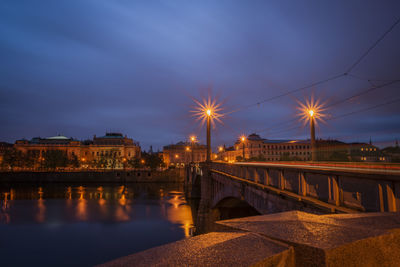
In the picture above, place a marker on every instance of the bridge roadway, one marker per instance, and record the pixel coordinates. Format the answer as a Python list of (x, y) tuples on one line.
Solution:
[(368, 169)]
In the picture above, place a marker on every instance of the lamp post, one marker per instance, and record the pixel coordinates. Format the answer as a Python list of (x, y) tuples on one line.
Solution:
[(208, 112), (243, 139), (192, 140), (312, 130), (220, 150)]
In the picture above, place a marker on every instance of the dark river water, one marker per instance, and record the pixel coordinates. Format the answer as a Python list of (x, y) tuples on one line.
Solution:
[(85, 225)]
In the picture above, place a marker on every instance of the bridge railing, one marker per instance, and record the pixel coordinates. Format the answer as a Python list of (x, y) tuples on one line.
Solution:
[(343, 190)]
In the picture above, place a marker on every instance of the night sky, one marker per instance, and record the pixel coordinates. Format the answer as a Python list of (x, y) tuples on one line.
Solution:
[(84, 67)]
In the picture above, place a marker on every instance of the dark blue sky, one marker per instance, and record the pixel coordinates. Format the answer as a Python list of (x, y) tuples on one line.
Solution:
[(81, 67)]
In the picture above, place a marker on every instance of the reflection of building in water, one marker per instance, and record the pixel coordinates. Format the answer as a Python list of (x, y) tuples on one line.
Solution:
[(81, 207), (41, 211), (5, 206), (180, 213)]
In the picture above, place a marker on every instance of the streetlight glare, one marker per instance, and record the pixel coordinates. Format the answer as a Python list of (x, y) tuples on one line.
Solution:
[(207, 108), (243, 138), (311, 110), (193, 138)]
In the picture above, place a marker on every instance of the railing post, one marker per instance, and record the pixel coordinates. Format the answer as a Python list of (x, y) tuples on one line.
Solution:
[(381, 201), (302, 184), (266, 177), (391, 199), (334, 190), (281, 180), (256, 176)]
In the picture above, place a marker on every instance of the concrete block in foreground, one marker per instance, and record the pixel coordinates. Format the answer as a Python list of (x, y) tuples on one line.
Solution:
[(365, 239), (214, 249)]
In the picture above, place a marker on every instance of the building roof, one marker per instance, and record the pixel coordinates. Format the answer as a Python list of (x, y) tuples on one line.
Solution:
[(112, 135), (58, 137)]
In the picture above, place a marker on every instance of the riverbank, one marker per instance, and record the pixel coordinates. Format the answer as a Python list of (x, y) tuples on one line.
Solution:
[(115, 176)]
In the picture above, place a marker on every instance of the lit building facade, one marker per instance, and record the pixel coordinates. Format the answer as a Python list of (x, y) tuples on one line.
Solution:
[(254, 147), (110, 151), (182, 153)]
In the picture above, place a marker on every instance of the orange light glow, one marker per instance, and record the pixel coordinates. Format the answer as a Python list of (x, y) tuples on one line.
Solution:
[(187, 148), (207, 109), (142, 161), (312, 109), (243, 138), (193, 138), (176, 156), (220, 148)]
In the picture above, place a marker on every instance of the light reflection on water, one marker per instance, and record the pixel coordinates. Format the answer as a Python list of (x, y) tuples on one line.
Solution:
[(112, 220)]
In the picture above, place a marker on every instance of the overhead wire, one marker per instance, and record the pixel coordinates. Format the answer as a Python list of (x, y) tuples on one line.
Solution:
[(373, 46), (347, 114), (347, 72)]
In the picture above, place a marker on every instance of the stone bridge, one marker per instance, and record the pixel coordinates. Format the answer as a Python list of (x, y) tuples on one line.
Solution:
[(288, 238), (243, 189)]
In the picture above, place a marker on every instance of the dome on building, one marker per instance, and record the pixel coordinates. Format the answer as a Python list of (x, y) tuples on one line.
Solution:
[(58, 137)]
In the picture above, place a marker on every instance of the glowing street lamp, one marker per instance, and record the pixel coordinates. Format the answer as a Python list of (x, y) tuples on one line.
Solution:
[(243, 139), (208, 112), (312, 131), (192, 141), (312, 111)]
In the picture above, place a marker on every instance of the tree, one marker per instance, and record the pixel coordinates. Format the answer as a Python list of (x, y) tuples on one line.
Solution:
[(153, 161), (10, 159), (74, 161), (134, 163), (53, 159)]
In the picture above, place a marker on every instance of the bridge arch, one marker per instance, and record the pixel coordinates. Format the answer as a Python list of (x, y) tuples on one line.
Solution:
[(232, 207)]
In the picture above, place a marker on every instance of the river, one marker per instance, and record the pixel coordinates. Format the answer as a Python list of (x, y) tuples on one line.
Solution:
[(85, 225)]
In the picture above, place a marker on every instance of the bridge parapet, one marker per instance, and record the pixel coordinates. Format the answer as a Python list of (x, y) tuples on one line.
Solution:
[(336, 189)]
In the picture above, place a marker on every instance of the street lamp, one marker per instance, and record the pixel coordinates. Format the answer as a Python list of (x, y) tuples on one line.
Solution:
[(312, 111), (220, 149), (243, 139), (192, 141), (312, 130), (208, 135), (208, 111)]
